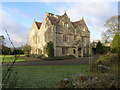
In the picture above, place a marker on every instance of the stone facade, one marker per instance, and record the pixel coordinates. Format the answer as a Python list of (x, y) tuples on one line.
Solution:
[(69, 38)]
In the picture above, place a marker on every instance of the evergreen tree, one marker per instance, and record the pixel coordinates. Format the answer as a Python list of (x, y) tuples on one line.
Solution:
[(99, 48), (50, 49)]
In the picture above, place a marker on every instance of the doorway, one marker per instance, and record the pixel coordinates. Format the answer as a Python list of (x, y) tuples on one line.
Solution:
[(79, 52)]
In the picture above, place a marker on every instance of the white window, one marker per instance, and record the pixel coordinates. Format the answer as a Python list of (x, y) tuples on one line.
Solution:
[(84, 29), (67, 25)]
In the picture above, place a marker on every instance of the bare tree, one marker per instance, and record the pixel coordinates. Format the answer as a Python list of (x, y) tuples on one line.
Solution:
[(112, 27)]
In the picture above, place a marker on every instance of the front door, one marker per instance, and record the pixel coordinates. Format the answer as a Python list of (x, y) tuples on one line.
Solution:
[(79, 52)]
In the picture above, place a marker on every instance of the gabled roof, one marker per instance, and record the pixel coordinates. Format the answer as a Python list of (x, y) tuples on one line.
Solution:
[(38, 24), (54, 20), (77, 23)]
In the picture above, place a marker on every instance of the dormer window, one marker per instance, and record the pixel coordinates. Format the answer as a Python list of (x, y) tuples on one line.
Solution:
[(84, 29), (65, 24)]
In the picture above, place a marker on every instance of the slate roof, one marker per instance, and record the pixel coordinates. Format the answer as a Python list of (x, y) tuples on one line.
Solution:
[(77, 23), (55, 20)]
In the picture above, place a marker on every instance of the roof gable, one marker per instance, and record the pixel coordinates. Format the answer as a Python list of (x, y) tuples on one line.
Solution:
[(80, 22), (54, 20), (38, 24)]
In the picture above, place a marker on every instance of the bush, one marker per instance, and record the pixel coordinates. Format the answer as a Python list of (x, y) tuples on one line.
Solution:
[(30, 55), (91, 81), (59, 58), (40, 56), (106, 49), (108, 59), (6, 50), (100, 68), (14, 52)]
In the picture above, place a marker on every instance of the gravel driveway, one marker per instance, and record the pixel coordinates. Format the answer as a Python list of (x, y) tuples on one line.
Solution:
[(39, 62)]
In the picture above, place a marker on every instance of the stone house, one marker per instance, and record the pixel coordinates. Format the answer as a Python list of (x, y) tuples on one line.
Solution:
[(68, 38)]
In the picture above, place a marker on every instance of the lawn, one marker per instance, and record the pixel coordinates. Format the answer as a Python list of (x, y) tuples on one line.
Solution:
[(10, 58), (45, 76)]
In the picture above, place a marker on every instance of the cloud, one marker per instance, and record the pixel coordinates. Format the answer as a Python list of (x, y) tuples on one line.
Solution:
[(94, 13), (60, 0), (15, 11), (17, 32)]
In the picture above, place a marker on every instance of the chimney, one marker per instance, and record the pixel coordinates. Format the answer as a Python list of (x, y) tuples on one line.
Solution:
[(57, 16), (51, 14)]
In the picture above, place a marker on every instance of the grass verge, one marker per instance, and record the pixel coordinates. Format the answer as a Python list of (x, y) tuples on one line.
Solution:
[(45, 76), (10, 58)]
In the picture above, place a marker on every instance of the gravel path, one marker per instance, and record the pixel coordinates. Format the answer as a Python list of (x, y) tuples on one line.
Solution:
[(39, 62)]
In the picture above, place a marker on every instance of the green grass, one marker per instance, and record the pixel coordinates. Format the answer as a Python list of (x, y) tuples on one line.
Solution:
[(45, 76), (10, 58)]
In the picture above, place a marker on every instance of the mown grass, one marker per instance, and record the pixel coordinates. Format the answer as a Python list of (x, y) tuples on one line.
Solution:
[(10, 58), (45, 76)]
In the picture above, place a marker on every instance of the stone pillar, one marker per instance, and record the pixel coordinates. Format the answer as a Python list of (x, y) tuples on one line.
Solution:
[(76, 52), (81, 52), (54, 50), (90, 53)]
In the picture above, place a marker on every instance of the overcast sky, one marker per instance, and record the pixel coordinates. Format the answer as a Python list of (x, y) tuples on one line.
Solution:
[(17, 17)]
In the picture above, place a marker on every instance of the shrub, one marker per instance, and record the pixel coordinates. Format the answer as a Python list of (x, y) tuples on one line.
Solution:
[(59, 58), (108, 59), (106, 49), (30, 55), (99, 69), (6, 50), (91, 81), (40, 56)]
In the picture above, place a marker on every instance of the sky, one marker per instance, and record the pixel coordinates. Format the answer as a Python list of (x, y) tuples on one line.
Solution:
[(17, 17)]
